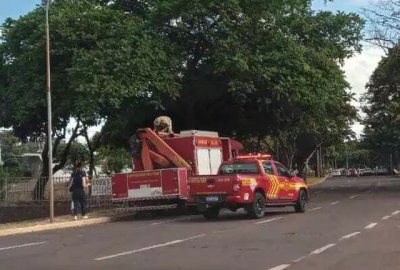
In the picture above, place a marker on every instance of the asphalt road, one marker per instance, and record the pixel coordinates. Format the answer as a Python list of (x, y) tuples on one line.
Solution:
[(350, 223)]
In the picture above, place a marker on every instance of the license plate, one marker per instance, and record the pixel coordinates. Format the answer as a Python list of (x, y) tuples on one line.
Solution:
[(212, 199)]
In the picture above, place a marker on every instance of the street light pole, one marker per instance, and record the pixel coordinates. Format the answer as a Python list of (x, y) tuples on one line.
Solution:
[(49, 121)]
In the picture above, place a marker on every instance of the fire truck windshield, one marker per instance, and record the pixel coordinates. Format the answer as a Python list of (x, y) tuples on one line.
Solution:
[(239, 168)]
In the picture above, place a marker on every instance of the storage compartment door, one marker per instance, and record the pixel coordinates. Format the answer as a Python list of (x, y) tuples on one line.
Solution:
[(170, 181), (215, 159), (119, 186), (203, 161)]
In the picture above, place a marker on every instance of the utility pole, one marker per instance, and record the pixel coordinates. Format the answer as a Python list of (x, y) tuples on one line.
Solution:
[(318, 160), (49, 121)]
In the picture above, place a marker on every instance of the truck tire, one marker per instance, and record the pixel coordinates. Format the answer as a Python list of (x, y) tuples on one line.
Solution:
[(256, 209), (211, 213), (300, 206)]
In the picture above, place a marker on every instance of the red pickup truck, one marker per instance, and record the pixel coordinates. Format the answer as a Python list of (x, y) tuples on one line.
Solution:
[(252, 183)]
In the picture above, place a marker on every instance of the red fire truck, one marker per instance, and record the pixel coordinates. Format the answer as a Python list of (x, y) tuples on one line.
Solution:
[(252, 182), (163, 163)]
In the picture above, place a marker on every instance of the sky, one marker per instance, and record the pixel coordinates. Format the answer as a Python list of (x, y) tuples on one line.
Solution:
[(357, 69), (16, 8)]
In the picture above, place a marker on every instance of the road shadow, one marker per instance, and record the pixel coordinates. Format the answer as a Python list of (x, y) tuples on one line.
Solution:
[(225, 216), (153, 215), (240, 215)]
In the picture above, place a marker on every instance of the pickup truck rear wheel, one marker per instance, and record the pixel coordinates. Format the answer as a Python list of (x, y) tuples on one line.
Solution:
[(256, 209), (300, 206), (211, 213)]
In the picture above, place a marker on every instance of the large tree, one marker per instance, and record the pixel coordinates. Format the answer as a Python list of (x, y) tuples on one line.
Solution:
[(382, 106), (100, 57), (253, 68)]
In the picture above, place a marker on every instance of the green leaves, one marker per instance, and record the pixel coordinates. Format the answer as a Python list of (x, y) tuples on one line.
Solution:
[(249, 68), (100, 58), (382, 131)]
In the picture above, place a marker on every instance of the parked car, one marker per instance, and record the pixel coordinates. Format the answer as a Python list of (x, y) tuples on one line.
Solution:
[(382, 171), (367, 171), (352, 172), (337, 172)]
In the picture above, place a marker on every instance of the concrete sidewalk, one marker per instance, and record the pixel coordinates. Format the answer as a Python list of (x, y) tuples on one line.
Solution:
[(60, 222)]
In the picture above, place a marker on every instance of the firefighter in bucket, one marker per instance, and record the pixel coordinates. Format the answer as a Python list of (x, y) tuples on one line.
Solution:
[(163, 124)]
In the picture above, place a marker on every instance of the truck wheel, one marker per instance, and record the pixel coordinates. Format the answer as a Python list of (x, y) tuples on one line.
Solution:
[(300, 206), (257, 208), (211, 213)]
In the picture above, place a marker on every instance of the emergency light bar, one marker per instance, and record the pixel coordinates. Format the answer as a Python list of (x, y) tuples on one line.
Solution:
[(254, 156)]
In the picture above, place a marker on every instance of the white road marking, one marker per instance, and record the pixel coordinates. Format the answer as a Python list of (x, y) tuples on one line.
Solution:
[(314, 209), (350, 235), (23, 245), (148, 248), (369, 191), (370, 226), (395, 212), (386, 217), (333, 203), (268, 220), (224, 231), (299, 259), (280, 267), (354, 196), (320, 250), (170, 220)]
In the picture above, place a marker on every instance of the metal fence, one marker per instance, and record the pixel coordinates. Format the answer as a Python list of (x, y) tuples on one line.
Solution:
[(14, 190)]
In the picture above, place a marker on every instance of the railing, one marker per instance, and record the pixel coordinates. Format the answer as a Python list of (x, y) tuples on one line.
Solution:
[(14, 190)]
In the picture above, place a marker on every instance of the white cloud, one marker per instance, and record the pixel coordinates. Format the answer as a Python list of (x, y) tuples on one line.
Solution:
[(358, 69)]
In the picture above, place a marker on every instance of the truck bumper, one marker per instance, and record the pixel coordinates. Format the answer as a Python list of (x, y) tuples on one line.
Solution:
[(220, 199)]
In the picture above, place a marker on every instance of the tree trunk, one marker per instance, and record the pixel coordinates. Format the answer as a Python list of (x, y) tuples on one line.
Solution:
[(318, 164), (305, 164), (38, 192), (40, 187), (91, 154), (258, 146)]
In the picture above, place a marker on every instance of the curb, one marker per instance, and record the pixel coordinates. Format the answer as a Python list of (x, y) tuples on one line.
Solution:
[(55, 226)]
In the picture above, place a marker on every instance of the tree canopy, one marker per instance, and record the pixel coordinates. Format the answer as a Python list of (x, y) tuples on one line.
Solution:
[(243, 68), (383, 27), (382, 124), (100, 57), (253, 68)]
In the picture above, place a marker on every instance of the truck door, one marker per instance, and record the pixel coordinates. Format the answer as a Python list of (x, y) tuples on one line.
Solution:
[(272, 181), (285, 192)]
